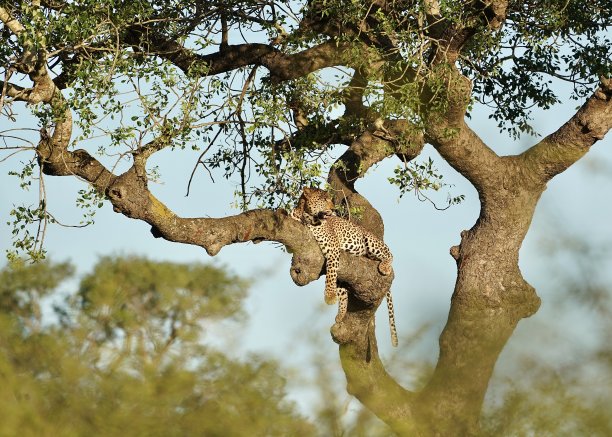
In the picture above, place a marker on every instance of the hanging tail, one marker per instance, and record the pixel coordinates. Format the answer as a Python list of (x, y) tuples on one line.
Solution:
[(391, 319)]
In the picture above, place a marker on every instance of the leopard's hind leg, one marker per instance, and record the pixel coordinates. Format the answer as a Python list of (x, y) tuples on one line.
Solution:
[(376, 249), (342, 294)]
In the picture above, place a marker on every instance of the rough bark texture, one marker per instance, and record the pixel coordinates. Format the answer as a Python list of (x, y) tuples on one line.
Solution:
[(490, 295)]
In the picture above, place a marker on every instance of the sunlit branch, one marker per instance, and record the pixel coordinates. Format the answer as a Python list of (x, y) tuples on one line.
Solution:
[(11, 23), (366, 376), (570, 142)]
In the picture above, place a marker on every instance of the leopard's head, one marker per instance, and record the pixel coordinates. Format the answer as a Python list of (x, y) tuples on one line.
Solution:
[(317, 203)]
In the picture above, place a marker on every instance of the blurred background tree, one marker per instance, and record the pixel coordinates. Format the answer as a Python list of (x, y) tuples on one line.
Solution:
[(123, 352), (124, 355)]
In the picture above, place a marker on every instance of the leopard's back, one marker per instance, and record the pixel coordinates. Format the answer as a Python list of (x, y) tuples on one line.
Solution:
[(357, 240), (351, 237)]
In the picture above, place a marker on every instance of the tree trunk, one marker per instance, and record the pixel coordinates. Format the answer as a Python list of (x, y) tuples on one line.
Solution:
[(489, 300)]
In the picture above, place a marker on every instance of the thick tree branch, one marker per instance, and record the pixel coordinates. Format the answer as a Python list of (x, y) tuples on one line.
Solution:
[(458, 144), (15, 92), (572, 141), (33, 57), (32, 62), (130, 196), (42, 91), (366, 376), (465, 151), (353, 101), (282, 66), (365, 151), (55, 159), (11, 23), (451, 37)]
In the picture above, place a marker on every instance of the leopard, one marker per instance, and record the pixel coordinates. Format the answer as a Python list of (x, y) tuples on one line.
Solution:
[(315, 209)]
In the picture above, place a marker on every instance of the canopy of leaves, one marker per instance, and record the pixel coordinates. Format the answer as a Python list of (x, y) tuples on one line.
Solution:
[(134, 71)]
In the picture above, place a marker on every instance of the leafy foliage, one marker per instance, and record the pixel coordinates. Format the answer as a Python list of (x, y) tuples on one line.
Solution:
[(24, 286), (542, 44), (419, 177)]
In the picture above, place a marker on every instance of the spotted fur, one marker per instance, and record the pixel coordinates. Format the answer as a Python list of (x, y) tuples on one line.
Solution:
[(315, 210)]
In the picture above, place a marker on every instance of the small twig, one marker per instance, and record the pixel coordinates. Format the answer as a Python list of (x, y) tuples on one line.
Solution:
[(56, 221), (42, 205), (7, 75), (245, 154), (199, 161), (19, 150), (245, 144)]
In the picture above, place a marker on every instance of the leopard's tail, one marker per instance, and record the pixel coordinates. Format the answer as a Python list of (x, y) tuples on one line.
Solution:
[(391, 312)]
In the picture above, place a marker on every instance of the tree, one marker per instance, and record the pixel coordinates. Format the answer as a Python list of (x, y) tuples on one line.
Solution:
[(126, 355), (267, 89)]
